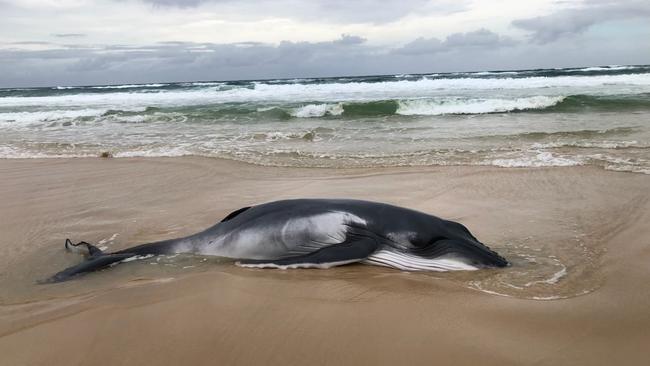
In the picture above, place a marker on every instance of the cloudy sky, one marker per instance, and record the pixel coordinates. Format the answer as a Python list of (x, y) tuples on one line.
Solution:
[(81, 42)]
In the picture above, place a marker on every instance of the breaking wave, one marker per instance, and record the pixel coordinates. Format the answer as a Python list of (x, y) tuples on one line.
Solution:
[(525, 118), (404, 107)]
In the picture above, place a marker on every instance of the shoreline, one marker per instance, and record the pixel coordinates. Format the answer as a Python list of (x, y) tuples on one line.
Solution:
[(423, 166), (586, 218)]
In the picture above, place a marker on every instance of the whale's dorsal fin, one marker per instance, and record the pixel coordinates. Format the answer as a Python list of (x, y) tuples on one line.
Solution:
[(235, 213)]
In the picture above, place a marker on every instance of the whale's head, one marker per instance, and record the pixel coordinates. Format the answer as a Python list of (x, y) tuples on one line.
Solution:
[(444, 238)]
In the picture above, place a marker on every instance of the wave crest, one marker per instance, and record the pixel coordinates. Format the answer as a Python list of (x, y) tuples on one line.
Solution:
[(317, 110), (474, 106)]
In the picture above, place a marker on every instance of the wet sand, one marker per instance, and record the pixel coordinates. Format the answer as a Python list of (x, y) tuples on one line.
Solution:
[(577, 292)]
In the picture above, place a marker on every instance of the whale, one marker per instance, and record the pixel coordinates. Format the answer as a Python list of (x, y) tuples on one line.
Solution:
[(316, 233)]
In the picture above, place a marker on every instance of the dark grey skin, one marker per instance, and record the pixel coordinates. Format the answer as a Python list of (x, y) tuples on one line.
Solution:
[(319, 233)]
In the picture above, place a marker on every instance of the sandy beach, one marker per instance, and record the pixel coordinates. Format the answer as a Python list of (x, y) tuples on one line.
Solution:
[(576, 294)]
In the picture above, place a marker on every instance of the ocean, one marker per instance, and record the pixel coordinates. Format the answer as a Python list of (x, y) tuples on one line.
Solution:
[(530, 118)]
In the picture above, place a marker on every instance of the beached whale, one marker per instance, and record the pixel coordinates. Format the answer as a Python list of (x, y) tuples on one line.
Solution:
[(319, 233)]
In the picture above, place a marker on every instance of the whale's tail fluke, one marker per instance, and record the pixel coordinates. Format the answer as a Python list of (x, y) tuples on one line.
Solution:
[(83, 247), (96, 259)]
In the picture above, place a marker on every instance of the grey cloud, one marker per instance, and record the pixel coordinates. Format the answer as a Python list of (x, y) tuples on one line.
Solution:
[(347, 39), (481, 38), (421, 46), (249, 44), (334, 11), (575, 20), (80, 64), (30, 43), (163, 54), (183, 61), (182, 3), (68, 35), (96, 63)]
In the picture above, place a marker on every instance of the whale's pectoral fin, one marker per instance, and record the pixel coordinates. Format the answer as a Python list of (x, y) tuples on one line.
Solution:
[(352, 250)]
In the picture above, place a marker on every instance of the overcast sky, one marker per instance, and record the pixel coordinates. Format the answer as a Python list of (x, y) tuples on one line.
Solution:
[(81, 42)]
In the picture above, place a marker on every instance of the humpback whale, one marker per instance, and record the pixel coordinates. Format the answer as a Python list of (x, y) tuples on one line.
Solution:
[(318, 233)]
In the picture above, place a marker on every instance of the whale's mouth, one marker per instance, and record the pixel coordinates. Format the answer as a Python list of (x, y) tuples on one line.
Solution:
[(412, 262), (294, 265), (469, 251)]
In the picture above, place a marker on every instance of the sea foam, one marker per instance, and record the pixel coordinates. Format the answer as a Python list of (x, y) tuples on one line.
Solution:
[(473, 106), (335, 92)]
